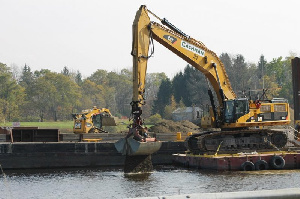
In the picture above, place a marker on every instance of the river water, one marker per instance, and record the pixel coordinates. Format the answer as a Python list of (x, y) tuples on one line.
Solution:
[(113, 183)]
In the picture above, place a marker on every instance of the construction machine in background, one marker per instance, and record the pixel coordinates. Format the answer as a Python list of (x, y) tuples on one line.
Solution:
[(92, 120), (240, 120)]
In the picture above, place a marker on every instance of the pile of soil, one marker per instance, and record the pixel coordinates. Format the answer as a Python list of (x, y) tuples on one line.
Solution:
[(169, 126)]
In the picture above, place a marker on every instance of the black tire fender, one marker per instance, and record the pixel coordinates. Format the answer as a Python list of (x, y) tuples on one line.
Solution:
[(277, 162), (261, 165), (248, 166)]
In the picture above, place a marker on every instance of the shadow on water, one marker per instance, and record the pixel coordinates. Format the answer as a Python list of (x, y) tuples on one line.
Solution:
[(137, 176)]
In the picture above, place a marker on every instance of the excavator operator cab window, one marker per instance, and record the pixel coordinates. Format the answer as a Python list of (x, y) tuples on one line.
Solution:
[(229, 111), (97, 121), (234, 109)]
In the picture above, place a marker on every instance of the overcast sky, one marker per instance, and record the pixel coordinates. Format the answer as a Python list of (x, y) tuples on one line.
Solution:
[(87, 35)]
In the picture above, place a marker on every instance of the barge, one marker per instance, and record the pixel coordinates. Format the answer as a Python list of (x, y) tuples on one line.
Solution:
[(33, 148), (241, 161)]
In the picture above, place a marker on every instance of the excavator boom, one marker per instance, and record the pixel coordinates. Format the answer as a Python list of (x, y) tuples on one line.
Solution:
[(192, 51)]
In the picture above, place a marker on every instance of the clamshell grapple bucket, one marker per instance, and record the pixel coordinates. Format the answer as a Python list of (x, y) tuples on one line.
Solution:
[(130, 146)]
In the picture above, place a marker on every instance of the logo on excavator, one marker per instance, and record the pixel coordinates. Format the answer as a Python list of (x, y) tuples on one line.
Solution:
[(170, 38), (192, 48), (77, 125)]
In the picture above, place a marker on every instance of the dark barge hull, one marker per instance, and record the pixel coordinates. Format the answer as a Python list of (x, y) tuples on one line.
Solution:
[(38, 155)]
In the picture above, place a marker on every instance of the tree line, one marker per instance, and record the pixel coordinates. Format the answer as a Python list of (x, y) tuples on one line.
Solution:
[(50, 96)]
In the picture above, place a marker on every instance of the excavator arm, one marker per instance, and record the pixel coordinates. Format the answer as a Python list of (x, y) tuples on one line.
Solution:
[(192, 51), (140, 48)]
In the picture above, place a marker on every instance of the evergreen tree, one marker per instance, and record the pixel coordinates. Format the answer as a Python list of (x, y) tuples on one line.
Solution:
[(163, 97), (178, 83), (27, 77), (65, 71), (227, 61), (239, 80), (261, 67), (153, 81), (78, 78), (28, 81)]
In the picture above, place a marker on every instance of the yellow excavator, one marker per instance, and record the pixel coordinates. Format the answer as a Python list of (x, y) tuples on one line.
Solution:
[(92, 121), (237, 118)]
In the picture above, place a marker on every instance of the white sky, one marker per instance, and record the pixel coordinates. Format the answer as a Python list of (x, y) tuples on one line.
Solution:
[(87, 35)]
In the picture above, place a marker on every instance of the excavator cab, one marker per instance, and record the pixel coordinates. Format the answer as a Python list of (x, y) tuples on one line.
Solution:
[(234, 109), (100, 120), (97, 121)]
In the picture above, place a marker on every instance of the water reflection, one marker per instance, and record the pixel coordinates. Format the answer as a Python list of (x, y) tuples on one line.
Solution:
[(113, 183)]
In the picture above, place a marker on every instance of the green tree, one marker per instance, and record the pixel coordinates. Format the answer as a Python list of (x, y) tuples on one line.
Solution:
[(78, 78), (163, 97), (239, 80), (65, 71), (278, 72), (261, 67), (153, 81), (276, 67), (227, 61), (12, 95), (99, 77), (196, 87), (287, 86), (170, 108), (122, 84), (92, 95), (56, 96), (271, 87), (28, 82), (27, 77), (190, 87), (154, 119), (179, 87)]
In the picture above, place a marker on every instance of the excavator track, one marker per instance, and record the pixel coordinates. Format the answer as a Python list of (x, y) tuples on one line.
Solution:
[(236, 141)]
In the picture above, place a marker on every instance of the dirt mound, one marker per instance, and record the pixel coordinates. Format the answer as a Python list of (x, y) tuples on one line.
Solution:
[(169, 126)]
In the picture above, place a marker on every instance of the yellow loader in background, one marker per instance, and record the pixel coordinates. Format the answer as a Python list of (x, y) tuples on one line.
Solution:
[(92, 120)]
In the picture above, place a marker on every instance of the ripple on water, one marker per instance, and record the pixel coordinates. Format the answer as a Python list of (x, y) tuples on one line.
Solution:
[(113, 183)]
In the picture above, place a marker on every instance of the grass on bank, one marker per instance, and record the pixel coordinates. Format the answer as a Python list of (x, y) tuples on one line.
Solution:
[(67, 126)]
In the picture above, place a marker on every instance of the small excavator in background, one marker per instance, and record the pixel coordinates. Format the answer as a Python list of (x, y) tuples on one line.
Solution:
[(92, 121), (236, 118)]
